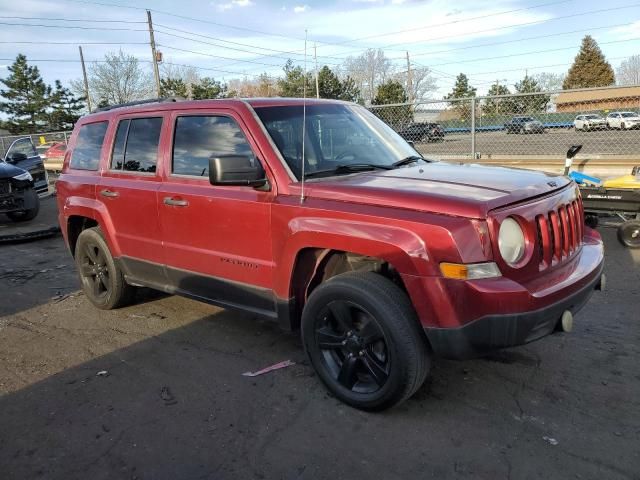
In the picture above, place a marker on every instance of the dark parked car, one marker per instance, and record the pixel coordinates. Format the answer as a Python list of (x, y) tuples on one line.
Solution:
[(423, 132), (23, 154), (18, 198), (524, 125)]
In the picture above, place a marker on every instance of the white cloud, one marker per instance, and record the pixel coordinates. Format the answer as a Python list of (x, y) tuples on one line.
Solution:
[(301, 8), (234, 3), (397, 2), (627, 31)]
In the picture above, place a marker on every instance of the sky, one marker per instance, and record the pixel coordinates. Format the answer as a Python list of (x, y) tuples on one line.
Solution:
[(497, 41)]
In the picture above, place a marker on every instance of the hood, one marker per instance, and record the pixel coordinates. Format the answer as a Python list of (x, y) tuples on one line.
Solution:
[(533, 122), (466, 190), (8, 171)]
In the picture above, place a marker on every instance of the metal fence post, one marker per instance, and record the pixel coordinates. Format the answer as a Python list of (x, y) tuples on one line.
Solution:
[(66, 142), (473, 128)]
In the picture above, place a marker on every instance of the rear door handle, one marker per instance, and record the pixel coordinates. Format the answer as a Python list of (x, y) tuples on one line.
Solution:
[(175, 202), (109, 193)]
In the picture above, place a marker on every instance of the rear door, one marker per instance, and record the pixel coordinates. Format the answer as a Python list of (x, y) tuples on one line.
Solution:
[(128, 189), (217, 239)]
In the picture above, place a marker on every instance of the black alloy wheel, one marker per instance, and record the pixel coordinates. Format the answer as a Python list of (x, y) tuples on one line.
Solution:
[(353, 346), (101, 278), (364, 340)]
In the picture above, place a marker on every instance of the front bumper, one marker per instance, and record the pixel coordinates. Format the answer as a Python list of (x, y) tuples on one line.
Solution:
[(492, 332)]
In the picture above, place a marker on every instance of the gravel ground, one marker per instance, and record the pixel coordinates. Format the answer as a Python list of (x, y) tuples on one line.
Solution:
[(172, 402)]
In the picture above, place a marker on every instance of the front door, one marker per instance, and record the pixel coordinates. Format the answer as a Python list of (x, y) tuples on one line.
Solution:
[(217, 239), (23, 154), (128, 188)]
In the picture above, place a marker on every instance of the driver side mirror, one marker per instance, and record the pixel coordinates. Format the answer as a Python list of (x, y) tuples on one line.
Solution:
[(237, 170), (16, 157)]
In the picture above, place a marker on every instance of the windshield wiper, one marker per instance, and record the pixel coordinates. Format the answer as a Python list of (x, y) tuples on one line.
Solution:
[(348, 168), (408, 160)]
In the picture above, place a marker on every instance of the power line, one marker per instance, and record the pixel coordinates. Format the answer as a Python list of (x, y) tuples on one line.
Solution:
[(70, 27), (75, 43), (216, 56), (480, 17), (494, 29), (530, 53), (521, 39), (84, 20)]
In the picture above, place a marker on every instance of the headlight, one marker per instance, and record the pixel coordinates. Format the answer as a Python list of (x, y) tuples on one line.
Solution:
[(24, 176), (511, 241)]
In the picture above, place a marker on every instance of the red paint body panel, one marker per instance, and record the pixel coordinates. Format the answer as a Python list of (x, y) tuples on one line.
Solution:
[(414, 218)]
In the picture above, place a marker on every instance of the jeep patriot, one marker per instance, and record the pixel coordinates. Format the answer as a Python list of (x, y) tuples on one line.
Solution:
[(381, 258)]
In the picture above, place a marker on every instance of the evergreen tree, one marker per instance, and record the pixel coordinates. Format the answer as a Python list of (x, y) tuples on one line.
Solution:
[(529, 103), (208, 88), (391, 92), (173, 87), (330, 86), (462, 89), (27, 97), (65, 108), (497, 106), (590, 68), (293, 83)]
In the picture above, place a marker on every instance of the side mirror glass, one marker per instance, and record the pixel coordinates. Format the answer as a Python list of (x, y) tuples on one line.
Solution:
[(238, 170)]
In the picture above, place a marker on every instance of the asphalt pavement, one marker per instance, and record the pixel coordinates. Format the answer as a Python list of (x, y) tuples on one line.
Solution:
[(155, 391)]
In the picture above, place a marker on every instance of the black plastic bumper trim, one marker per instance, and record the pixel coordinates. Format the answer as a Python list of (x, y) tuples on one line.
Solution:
[(506, 330)]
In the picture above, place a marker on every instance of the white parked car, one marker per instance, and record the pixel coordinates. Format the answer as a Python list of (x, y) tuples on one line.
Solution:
[(589, 121), (623, 120)]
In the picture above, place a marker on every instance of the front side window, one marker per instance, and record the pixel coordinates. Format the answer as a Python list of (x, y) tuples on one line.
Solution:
[(628, 115), (24, 146), (335, 135), (86, 154), (198, 138), (136, 145)]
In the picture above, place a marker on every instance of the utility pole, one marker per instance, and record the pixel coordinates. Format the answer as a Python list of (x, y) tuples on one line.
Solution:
[(409, 80), (156, 73), (84, 75), (315, 57)]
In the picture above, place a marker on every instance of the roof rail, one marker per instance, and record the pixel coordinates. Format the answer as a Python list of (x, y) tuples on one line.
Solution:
[(138, 102)]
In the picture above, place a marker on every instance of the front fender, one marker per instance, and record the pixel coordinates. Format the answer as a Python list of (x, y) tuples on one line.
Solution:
[(402, 248)]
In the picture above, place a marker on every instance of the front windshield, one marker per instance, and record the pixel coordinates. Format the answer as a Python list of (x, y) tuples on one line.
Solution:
[(592, 117), (336, 135)]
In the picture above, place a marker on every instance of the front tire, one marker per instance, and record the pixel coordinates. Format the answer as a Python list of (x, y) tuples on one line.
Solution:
[(102, 280), (26, 215), (362, 336)]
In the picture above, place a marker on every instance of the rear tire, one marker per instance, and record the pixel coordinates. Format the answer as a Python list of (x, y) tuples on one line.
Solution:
[(629, 234), (363, 338), (102, 280)]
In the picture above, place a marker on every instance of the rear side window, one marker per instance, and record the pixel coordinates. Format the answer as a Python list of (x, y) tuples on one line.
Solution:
[(200, 137), (86, 154), (136, 145)]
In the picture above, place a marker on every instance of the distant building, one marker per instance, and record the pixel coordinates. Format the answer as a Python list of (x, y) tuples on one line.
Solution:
[(606, 99)]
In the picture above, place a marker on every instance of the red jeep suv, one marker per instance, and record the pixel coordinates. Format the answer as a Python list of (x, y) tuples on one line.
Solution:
[(320, 216)]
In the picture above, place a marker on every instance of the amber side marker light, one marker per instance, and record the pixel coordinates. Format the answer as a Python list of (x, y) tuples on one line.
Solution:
[(470, 271)]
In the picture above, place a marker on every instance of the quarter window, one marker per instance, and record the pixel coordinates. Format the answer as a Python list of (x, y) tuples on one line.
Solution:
[(86, 154), (136, 145), (198, 138)]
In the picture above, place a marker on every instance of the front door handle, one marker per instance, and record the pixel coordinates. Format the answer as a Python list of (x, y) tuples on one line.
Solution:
[(174, 202), (109, 193)]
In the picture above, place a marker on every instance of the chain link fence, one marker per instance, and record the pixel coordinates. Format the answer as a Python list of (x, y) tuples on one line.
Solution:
[(529, 127)]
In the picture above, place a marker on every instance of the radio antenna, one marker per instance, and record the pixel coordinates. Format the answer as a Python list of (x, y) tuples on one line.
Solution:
[(304, 113)]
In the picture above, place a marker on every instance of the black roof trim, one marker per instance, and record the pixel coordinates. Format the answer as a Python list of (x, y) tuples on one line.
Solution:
[(138, 102)]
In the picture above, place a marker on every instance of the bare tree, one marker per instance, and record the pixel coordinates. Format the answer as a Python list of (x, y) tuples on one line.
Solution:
[(421, 80), (187, 74), (628, 72), (118, 79), (368, 71), (548, 81)]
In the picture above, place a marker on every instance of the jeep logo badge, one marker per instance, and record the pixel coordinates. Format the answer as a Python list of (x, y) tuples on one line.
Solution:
[(552, 184)]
